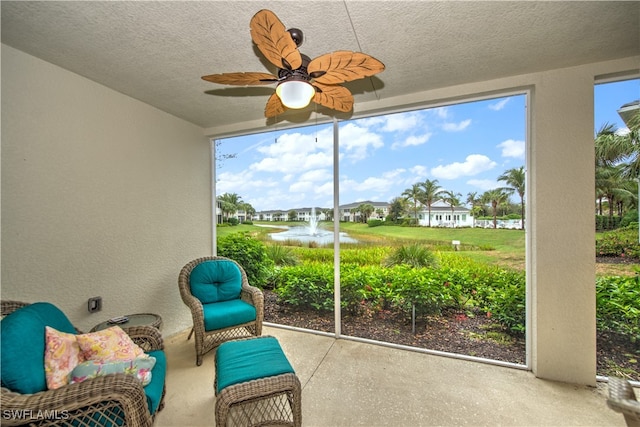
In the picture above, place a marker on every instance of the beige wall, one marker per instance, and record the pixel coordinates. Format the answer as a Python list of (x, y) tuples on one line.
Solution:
[(101, 195)]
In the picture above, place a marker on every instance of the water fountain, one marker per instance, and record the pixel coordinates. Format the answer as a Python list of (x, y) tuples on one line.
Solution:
[(310, 233), (313, 222)]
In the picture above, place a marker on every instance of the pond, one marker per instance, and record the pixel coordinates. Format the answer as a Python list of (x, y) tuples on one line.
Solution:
[(307, 234)]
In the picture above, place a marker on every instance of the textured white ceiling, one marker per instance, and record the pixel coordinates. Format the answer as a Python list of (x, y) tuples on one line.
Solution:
[(157, 51)]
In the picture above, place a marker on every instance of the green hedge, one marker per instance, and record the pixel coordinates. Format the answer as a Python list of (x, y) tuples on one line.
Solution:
[(452, 286), (618, 305), (458, 283)]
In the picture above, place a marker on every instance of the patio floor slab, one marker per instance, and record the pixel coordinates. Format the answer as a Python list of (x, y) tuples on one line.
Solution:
[(350, 383)]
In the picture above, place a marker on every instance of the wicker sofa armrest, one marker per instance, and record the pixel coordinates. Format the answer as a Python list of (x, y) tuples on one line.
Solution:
[(97, 401), (7, 306), (147, 337)]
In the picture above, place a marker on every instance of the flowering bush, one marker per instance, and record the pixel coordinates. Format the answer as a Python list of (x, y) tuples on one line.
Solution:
[(619, 243)]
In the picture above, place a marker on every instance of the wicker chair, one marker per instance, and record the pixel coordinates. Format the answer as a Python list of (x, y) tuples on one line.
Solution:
[(623, 399), (248, 298), (114, 399)]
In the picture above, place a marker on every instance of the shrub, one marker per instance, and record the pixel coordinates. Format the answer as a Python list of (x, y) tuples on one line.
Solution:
[(282, 255), (250, 253), (413, 255), (309, 285), (375, 222), (618, 305), (232, 221), (504, 299), (622, 242)]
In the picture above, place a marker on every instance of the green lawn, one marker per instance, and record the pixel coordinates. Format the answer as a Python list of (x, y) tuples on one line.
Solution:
[(501, 246)]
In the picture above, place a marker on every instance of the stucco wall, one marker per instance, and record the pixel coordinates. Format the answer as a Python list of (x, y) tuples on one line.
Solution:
[(102, 195)]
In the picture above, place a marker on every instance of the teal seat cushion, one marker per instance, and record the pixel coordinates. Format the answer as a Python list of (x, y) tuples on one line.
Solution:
[(245, 360), (154, 389), (225, 314), (216, 281), (22, 345)]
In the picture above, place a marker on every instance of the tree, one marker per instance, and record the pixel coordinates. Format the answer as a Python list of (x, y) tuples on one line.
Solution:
[(614, 147), (495, 197), (617, 165), (396, 209), (248, 210), (229, 203), (452, 199), (431, 190), (515, 178), (414, 195), (365, 209), (328, 214), (292, 214)]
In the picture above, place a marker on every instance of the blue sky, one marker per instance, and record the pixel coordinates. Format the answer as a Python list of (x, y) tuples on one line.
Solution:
[(465, 147)]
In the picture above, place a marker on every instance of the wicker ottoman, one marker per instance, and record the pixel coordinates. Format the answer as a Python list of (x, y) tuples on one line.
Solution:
[(255, 384)]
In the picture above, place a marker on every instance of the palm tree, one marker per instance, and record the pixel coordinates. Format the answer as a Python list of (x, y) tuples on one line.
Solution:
[(617, 164), (453, 199), (248, 209), (414, 195), (495, 197), (366, 209), (230, 203), (431, 189), (474, 201), (614, 148), (515, 178)]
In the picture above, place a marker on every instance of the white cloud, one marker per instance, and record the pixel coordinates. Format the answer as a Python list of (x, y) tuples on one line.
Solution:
[(412, 141), (239, 182), (401, 122), (499, 105), (442, 112), (484, 184), (296, 152), (456, 127), (419, 170), (473, 165), (316, 175), (512, 148), (357, 141)]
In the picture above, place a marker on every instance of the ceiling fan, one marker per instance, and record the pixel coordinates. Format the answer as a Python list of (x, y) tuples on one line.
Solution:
[(300, 79)]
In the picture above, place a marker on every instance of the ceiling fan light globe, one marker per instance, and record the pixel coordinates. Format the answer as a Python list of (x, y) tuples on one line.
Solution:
[(295, 94)]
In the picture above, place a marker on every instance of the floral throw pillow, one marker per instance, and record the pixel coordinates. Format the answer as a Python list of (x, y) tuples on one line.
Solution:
[(109, 345), (61, 355), (140, 367)]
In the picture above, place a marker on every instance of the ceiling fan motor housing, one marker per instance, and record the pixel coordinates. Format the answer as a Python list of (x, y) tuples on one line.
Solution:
[(299, 73)]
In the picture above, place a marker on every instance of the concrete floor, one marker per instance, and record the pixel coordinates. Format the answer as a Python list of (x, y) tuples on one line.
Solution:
[(348, 383)]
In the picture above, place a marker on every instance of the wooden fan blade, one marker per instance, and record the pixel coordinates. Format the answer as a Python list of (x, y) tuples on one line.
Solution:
[(334, 97), (274, 107), (343, 66), (241, 79), (274, 41)]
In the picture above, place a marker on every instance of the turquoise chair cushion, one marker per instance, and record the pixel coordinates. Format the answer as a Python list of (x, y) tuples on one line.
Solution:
[(215, 281), (245, 360), (225, 314), (22, 344), (154, 389)]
